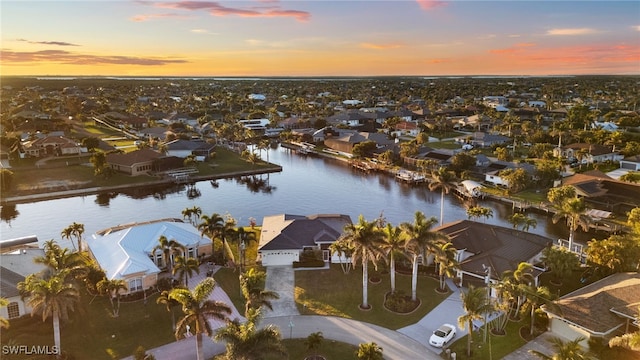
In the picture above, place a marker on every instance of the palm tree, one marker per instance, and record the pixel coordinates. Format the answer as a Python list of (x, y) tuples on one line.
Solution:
[(393, 244), (565, 350), (475, 303), (369, 351), (57, 259), (365, 237), (538, 296), (74, 230), (574, 210), (52, 297), (197, 309), (444, 180), (213, 226), (519, 219), (192, 213), (343, 249), (313, 342), (252, 286), (560, 261), (164, 298), (111, 288), (247, 342), (185, 267), (168, 249), (421, 241), (4, 323), (445, 258)]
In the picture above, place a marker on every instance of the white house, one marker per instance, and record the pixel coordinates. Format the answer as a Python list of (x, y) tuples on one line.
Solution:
[(284, 237), (126, 252), (14, 268)]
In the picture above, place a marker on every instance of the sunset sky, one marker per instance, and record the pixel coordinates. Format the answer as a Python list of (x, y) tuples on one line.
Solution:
[(319, 38)]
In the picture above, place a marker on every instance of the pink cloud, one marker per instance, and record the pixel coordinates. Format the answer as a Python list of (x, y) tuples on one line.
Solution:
[(214, 8), (66, 57), (431, 4)]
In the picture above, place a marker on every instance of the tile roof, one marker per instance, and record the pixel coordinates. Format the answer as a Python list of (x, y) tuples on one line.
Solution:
[(590, 306)]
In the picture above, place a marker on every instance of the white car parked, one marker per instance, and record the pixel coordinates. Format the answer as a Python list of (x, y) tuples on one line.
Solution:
[(442, 335)]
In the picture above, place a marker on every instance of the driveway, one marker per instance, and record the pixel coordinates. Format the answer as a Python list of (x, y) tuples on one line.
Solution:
[(281, 279)]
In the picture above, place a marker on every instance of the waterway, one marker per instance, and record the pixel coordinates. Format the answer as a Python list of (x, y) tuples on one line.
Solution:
[(307, 185)]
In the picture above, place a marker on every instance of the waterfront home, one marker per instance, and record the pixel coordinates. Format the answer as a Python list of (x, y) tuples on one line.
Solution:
[(604, 309), (183, 148), (138, 162), (14, 268), (485, 251), (483, 139), (494, 171), (284, 237), (126, 252), (603, 192), (588, 153), (52, 146), (347, 139)]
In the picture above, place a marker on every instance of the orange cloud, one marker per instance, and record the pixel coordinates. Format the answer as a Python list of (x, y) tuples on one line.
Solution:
[(438, 61), (214, 8), (431, 4), (56, 43), (141, 18), (66, 57), (380, 46), (571, 32)]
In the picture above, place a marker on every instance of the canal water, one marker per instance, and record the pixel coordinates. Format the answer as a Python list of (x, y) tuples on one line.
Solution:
[(307, 185)]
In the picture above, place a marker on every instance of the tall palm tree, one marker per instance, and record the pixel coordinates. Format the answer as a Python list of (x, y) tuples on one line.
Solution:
[(344, 250), (169, 248), (365, 237), (538, 296), (252, 286), (164, 299), (445, 259), (197, 309), (74, 230), (244, 341), (185, 267), (565, 350), (51, 297), (213, 227), (192, 213), (369, 351), (574, 211), (442, 179), (421, 241), (393, 244), (475, 303), (112, 288)]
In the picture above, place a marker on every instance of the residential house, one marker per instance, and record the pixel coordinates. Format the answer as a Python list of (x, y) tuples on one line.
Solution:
[(485, 251), (284, 237), (52, 146), (605, 193), (588, 153), (494, 171), (14, 268), (126, 252), (406, 128), (483, 139), (631, 163), (347, 139), (601, 310), (134, 163), (183, 148)]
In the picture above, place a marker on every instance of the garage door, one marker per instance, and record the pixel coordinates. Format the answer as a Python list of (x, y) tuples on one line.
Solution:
[(278, 258), (627, 165), (568, 331)]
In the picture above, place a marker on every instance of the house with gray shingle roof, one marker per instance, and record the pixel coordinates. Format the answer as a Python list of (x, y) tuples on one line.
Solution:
[(603, 309), (284, 237), (14, 268)]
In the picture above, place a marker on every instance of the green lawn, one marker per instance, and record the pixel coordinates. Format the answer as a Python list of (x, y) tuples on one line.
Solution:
[(92, 330), (330, 349), (496, 347), (333, 293)]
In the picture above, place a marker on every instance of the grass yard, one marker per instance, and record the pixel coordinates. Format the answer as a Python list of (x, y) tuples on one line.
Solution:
[(333, 293), (496, 347), (92, 330)]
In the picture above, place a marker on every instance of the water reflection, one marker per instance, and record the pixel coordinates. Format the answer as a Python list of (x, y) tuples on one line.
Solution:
[(8, 213)]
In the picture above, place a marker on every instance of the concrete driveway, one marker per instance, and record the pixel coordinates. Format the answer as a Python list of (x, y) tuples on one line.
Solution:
[(281, 279)]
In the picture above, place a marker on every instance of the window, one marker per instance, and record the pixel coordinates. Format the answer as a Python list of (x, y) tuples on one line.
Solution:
[(135, 285), (192, 252), (13, 310)]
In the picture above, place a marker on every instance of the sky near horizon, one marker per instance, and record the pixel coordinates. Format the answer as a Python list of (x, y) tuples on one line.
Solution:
[(319, 38)]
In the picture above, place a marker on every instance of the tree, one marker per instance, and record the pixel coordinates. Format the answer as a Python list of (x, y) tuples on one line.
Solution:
[(184, 267), (365, 237), (4, 323), (252, 285), (213, 227), (503, 154), (313, 342), (573, 210), (74, 230), (344, 250), (164, 299), (111, 289), (519, 219), (443, 180), (168, 248), (421, 241), (538, 296), (479, 211), (369, 351), (51, 297), (197, 309), (565, 350), (244, 341), (445, 259), (364, 149), (99, 161), (617, 253), (560, 261), (475, 303), (393, 243), (632, 177), (91, 143), (193, 214), (516, 179), (6, 179)]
